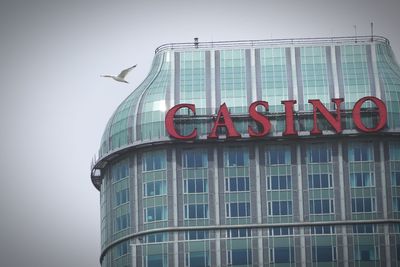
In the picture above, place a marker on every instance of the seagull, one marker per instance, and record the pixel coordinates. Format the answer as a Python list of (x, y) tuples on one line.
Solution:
[(121, 76)]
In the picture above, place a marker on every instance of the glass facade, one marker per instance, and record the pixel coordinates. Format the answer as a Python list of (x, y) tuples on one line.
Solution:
[(308, 200)]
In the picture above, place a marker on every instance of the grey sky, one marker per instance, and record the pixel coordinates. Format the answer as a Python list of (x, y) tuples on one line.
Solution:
[(54, 106)]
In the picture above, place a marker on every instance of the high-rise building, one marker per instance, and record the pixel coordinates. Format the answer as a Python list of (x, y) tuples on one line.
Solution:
[(256, 153)]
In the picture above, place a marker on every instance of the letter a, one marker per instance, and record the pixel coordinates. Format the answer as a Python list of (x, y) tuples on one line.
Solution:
[(224, 120)]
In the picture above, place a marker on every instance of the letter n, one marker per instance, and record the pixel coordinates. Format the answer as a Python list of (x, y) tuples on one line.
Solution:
[(334, 122)]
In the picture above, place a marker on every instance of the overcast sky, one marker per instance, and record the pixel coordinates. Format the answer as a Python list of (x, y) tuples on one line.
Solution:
[(54, 106)]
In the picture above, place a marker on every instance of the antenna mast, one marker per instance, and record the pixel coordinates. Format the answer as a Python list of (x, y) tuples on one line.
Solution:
[(372, 31)]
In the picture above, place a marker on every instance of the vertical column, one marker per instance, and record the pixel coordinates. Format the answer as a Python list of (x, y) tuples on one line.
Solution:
[(249, 66), (259, 204), (135, 192), (212, 87), (253, 75), (217, 219), (171, 96), (301, 211), (379, 93), (216, 79), (372, 79), (208, 73), (175, 205), (294, 73), (342, 205), (384, 201), (334, 73), (176, 80), (133, 246), (136, 207)]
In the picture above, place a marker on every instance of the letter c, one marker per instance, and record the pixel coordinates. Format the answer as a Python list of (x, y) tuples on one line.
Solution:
[(169, 122)]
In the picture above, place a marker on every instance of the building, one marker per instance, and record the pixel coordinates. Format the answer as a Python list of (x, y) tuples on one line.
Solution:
[(304, 187)]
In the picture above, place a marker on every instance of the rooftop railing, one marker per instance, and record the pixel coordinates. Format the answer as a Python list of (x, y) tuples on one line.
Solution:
[(271, 42)]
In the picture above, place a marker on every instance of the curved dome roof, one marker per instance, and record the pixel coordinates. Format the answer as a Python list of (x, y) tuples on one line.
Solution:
[(238, 73)]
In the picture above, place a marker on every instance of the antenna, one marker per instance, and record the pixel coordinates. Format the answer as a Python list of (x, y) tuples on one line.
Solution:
[(355, 33), (372, 31)]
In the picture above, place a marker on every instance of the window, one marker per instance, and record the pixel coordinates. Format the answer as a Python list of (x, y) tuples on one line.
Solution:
[(197, 259), (241, 232), (155, 188), (398, 251), (360, 152), (278, 231), (122, 222), (278, 156), (122, 196), (153, 161), (279, 182), (323, 253), (196, 211), (154, 238), (363, 179), (279, 208), (194, 159), (120, 171), (239, 257), (320, 181), (364, 228), (322, 230), (319, 153), (281, 254), (157, 260), (121, 249), (241, 209), (235, 184), (196, 235), (394, 152), (234, 157), (366, 253), (396, 204), (363, 204), (321, 206), (396, 178), (155, 214), (199, 185)]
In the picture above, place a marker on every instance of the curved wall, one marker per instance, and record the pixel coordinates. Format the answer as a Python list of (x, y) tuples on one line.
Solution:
[(328, 200)]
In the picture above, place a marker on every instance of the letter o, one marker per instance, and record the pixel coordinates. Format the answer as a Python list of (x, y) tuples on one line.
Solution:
[(381, 111)]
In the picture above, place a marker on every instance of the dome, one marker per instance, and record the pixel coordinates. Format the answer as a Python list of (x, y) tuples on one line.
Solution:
[(209, 74)]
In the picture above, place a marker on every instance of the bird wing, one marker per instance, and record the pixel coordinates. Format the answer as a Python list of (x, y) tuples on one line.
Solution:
[(125, 72)]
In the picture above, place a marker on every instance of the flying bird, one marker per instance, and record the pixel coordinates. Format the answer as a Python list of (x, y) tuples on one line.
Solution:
[(121, 76)]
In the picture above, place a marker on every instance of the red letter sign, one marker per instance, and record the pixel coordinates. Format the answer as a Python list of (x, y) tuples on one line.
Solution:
[(169, 122), (381, 110), (226, 122), (336, 123), (289, 117), (258, 117)]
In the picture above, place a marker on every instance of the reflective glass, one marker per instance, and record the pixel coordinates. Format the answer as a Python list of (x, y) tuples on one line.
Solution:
[(240, 257), (324, 253), (279, 182), (235, 184), (362, 204), (319, 153), (278, 155), (282, 255), (320, 206), (320, 181), (364, 179), (122, 196), (155, 188)]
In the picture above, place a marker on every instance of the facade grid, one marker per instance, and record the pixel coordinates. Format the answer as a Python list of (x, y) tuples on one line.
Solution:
[(331, 199)]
